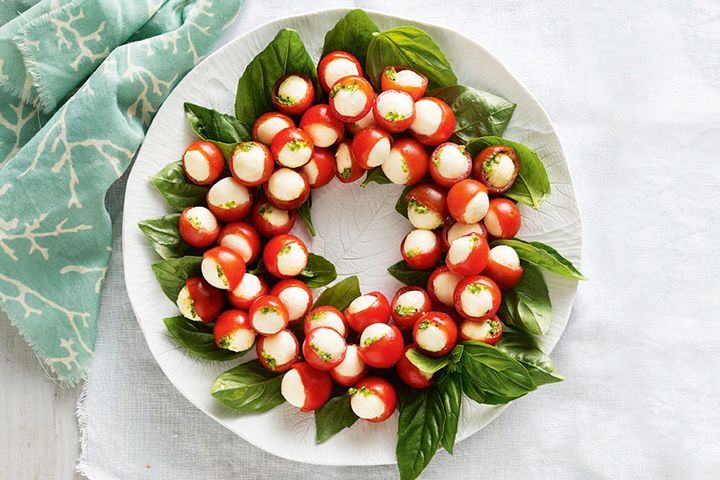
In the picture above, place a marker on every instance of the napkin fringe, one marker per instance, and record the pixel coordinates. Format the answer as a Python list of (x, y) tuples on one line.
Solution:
[(81, 466)]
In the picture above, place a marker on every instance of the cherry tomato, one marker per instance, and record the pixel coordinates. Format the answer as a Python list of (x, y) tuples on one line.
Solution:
[(243, 239), (251, 163), (441, 285), (203, 162), (367, 309), (434, 121), (293, 94), (229, 200), (394, 110), (371, 147), (368, 408), (453, 230), (322, 126), (497, 166), (427, 206), (232, 331), (381, 345), (468, 201), (336, 65), (421, 249), (270, 124), (410, 374), (487, 330), (324, 348), (351, 98), (502, 219), (409, 304), (407, 163), (351, 370), (295, 295), (278, 352), (292, 147), (222, 268), (285, 256), (468, 255), (320, 170), (198, 300), (251, 287), (347, 168), (268, 315), (198, 227), (306, 387), (325, 316), (270, 220), (367, 121), (449, 164), (287, 188), (504, 267), (404, 79), (435, 334), (477, 297)]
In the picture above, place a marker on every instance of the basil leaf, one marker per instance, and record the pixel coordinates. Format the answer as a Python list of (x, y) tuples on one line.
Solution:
[(420, 427), (178, 191), (249, 387), (375, 175), (477, 113), (449, 395), (402, 271), (542, 256), (340, 295), (284, 54), (172, 273), (527, 306), (318, 272), (490, 373), (332, 417), (352, 33), (408, 47), (306, 216), (197, 339), (456, 354), (524, 349), (164, 236), (426, 364), (532, 184), (402, 204), (223, 130)]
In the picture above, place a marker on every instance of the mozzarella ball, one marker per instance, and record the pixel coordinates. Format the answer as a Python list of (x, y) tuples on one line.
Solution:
[(213, 273), (505, 255), (280, 348), (444, 287), (366, 405), (277, 217), (396, 168), (293, 389), (472, 329), (492, 223), (296, 301), (461, 249), (502, 171), (352, 364), (249, 162), (292, 259), (460, 229), (322, 135), (311, 171), (361, 303), (367, 121), (431, 338), (423, 217), (201, 219), (267, 321), (240, 340), (339, 68), (330, 319), (196, 165), (374, 332), (228, 193), (249, 287), (269, 128), (293, 89), (379, 152), (286, 184), (295, 153), (343, 158), (451, 162), (349, 102), (239, 244), (428, 116), (408, 78), (327, 343), (476, 300), (395, 105), (409, 303), (418, 242), (476, 208), (185, 305)]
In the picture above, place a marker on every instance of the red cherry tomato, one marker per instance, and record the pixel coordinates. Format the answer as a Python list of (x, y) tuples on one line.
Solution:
[(243, 239), (367, 309), (229, 200), (435, 334), (410, 374), (487, 330), (251, 287), (336, 65), (502, 219), (324, 348), (371, 147), (434, 121), (287, 188), (292, 147), (407, 163), (203, 162), (251, 163), (347, 169), (453, 230), (315, 386), (404, 79), (268, 315), (427, 206), (477, 297), (468, 255), (295, 295), (270, 220), (207, 301), (468, 201), (198, 227), (504, 267), (222, 268), (320, 170), (322, 126), (441, 285), (325, 316), (394, 110), (284, 95), (421, 249), (381, 345), (409, 304), (270, 124), (285, 256), (352, 369), (449, 164), (377, 387), (367, 121), (232, 331), (278, 352), (346, 93), (497, 166)]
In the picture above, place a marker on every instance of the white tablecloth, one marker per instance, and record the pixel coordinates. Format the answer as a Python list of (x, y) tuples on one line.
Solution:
[(634, 89)]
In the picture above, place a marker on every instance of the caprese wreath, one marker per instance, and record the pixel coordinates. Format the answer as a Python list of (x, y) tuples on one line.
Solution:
[(386, 105)]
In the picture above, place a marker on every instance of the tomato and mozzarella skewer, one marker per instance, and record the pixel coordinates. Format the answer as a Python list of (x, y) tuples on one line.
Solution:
[(306, 387), (292, 147), (427, 206), (468, 255), (476, 297), (222, 268), (251, 287), (203, 162), (279, 351), (408, 305), (394, 110), (270, 220), (287, 188), (351, 98), (320, 170), (371, 147), (434, 121), (468, 201), (410, 374), (487, 330), (285, 256), (504, 267), (407, 163), (435, 334), (336, 65), (367, 121), (352, 368), (293, 94), (242, 238), (232, 331), (270, 124), (373, 399), (449, 164), (323, 128), (347, 169), (503, 218), (251, 163), (367, 309), (497, 166), (199, 301), (198, 227), (404, 79), (453, 230), (421, 249), (229, 200), (325, 316), (381, 345), (324, 348), (441, 285), (295, 295), (268, 315)]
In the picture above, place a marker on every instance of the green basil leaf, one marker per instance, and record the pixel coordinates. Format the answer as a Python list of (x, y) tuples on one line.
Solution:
[(542, 256), (527, 306), (164, 236), (223, 130), (172, 273), (477, 113), (426, 364), (197, 339), (178, 191), (402, 204), (306, 216), (332, 417), (456, 354), (420, 428), (249, 387), (449, 395), (532, 184), (375, 175), (318, 272), (341, 294), (489, 371), (284, 54), (525, 349), (352, 33), (408, 47), (402, 271)]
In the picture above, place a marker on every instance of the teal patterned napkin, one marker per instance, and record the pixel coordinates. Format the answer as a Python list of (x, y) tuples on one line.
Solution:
[(65, 138)]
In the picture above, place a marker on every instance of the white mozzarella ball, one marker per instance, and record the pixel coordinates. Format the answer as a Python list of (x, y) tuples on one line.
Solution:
[(296, 302), (311, 171), (396, 168), (501, 172), (294, 154), (293, 260), (339, 68), (367, 121), (286, 184), (248, 287), (367, 405), (408, 78), (327, 341), (293, 89), (361, 303), (349, 102), (505, 255), (379, 152), (476, 300), (343, 158), (280, 348), (267, 323), (275, 216), (196, 165), (444, 286), (374, 332), (249, 162), (201, 218), (239, 341), (492, 224), (428, 116), (460, 229), (267, 130), (328, 319), (451, 162), (322, 135), (213, 273), (410, 301), (461, 248), (352, 364), (476, 208), (432, 338), (239, 244), (293, 389), (419, 241), (185, 304), (427, 220), (395, 105), (228, 193), (475, 330)]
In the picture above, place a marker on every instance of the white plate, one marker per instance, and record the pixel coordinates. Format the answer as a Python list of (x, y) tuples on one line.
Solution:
[(358, 230)]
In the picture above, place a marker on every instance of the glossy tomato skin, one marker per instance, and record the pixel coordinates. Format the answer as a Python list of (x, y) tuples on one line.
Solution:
[(382, 389), (263, 134), (207, 300), (315, 356), (242, 238), (317, 384), (264, 305), (289, 137), (388, 81), (328, 59), (415, 158), (325, 316), (378, 312), (277, 246), (410, 374), (278, 202), (475, 284), (503, 218), (230, 213), (262, 213), (477, 259), (468, 201), (244, 303), (453, 230), (484, 164), (442, 322), (214, 157), (437, 159), (343, 156), (419, 259), (269, 362), (405, 317), (385, 351), (237, 165), (363, 143), (320, 115), (193, 236), (348, 379), (232, 265), (431, 289), (445, 128), (320, 170), (486, 330), (351, 83), (228, 323), (394, 124), (302, 104), (506, 277)]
